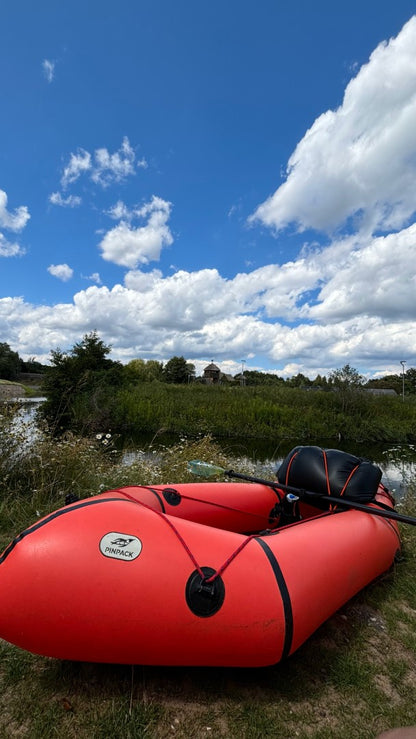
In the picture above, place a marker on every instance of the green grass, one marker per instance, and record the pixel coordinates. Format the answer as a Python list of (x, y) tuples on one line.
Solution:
[(29, 392), (354, 678), (263, 412), (351, 679)]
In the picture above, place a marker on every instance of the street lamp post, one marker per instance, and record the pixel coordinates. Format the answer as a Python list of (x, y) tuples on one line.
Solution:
[(243, 379), (403, 362)]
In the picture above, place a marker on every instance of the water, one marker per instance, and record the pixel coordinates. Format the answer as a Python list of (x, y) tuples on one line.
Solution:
[(397, 462), (24, 422)]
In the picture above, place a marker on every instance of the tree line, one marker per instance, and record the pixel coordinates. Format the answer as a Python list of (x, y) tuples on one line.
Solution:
[(11, 365), (91, 353)]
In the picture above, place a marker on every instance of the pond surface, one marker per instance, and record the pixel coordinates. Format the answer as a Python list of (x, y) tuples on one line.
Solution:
[(397, 462)]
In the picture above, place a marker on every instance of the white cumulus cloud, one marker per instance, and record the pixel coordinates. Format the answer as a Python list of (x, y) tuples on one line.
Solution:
[(119, 211), (71, 201), (358, 161), (9, 249), (376, 280), (61, 271), (11, 221), (115, 167), (202, 314), (95, 277), (79, 163), (129, 246), (15, 221), (101, 166)]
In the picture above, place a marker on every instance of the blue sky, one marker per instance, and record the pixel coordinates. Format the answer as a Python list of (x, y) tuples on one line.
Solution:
[(227, 181)]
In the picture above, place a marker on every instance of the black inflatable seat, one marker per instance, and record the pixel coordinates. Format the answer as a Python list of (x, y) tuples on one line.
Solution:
[(330, 472)]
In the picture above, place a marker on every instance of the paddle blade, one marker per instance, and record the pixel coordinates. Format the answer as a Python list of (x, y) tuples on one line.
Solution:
[(204, 469)]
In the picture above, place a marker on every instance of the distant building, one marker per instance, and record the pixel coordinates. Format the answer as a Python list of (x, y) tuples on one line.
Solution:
[(212, 374), (380, 391), (226, 378), (241, 378)]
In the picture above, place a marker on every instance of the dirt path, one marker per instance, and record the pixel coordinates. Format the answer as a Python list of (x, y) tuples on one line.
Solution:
[(11, 390)]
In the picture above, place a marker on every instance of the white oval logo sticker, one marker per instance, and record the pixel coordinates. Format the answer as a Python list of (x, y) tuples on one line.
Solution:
[(120, 546)]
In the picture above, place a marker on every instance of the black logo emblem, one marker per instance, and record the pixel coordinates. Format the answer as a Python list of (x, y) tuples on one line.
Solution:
[(121, 542)]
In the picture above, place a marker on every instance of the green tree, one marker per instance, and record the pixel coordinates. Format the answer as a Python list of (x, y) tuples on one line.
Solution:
[(79, 386), (395, 382), (299, 380), (178, 371), (10, 363), (32, 365), (388, 382), (190, 369), (254, 377), (91, 353), (410, 381), (346, 378), (320, 382), (347, 381), (154, 370), (138, 370)]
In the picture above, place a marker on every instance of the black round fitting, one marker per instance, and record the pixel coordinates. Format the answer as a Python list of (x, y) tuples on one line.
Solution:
[(171, 496), (204, 598)]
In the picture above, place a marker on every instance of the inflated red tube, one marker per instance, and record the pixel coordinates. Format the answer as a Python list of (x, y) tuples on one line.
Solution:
[(113, 579), (239, 507)]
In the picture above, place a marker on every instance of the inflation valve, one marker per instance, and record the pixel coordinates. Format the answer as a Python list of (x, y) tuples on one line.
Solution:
[(171, 496), (204, 598)]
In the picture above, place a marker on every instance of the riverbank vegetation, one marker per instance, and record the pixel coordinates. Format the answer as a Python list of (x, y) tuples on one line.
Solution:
[(276, 414), (11, 365), (355, 677), (12, 390), (86, 392)]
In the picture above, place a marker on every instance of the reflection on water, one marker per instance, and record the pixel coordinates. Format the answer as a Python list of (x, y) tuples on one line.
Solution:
[(398, 463), (24, 421)]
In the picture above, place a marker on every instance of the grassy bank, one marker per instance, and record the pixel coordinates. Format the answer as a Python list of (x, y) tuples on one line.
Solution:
[(11, 390), (257, 412), (355, 677)]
